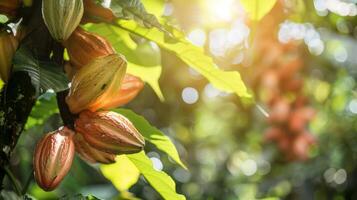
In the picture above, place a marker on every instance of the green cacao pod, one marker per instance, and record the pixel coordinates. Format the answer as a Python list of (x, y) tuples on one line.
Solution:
[(62, 17)]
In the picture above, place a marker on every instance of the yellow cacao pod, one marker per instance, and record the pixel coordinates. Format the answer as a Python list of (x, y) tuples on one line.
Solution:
[(109, 132), (130, 88), (8, 46), (83, 47), (62, 17), (96, 83), (91, 154), (53, 158), (9, 7)]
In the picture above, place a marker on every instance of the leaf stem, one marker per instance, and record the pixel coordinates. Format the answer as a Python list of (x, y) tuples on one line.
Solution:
[(13, 180)]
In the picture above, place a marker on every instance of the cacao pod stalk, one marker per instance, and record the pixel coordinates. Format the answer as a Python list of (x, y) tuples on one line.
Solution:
[(130, 88), (96, 83), (53, 158), (109, 132), (91, 154), (83, 47), (8, 46), (62, 17)]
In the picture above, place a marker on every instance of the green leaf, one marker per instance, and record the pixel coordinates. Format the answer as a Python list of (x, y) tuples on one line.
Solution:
[(134, 9), (228, 81), (149, 75), (156, 7), (123, 174), (159, 180), (152, 135), (257, 9), (1, 84), (45, 106), (44, 75)]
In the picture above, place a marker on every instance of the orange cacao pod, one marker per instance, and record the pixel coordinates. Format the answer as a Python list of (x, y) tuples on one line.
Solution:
[(9, 7), (83, 47), (96, 13), (130, 88), (53, 158), (96, 84), (91, 154), (8, 46), (109, 132)]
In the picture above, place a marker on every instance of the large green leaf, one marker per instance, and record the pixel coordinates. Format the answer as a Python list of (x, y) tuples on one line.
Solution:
[(155, 7), (159, 180), (44, 75), (228, 81), (152, 135), (150, 75), (257, 9), (123, 173)]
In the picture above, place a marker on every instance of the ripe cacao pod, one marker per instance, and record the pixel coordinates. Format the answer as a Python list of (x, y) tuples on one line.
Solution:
[(53, 158), (130, 87), (62, 17), (96, 13), (91, 154), (9, 7), (83, 47), (109, 132), (8, 46), (96, 83)]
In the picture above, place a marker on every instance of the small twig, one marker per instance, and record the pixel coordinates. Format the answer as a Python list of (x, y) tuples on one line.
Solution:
[(14, 181)]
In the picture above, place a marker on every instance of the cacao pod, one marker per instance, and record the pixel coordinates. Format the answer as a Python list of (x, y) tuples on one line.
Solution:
[(96, 13), (130, 87), (109, 132), (91, 154), (96, 83), (9, 7), (8, 46), (62, 17), (53, 158), (69, 70), (83, 47)]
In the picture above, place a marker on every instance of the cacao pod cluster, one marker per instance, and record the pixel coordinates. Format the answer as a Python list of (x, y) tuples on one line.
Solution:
[(280, 86), (99, 82)]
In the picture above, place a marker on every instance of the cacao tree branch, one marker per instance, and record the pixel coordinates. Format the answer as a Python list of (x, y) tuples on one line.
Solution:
[(19, 95)]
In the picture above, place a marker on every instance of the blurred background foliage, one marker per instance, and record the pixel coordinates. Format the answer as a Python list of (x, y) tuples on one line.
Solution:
[(224, 140)]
